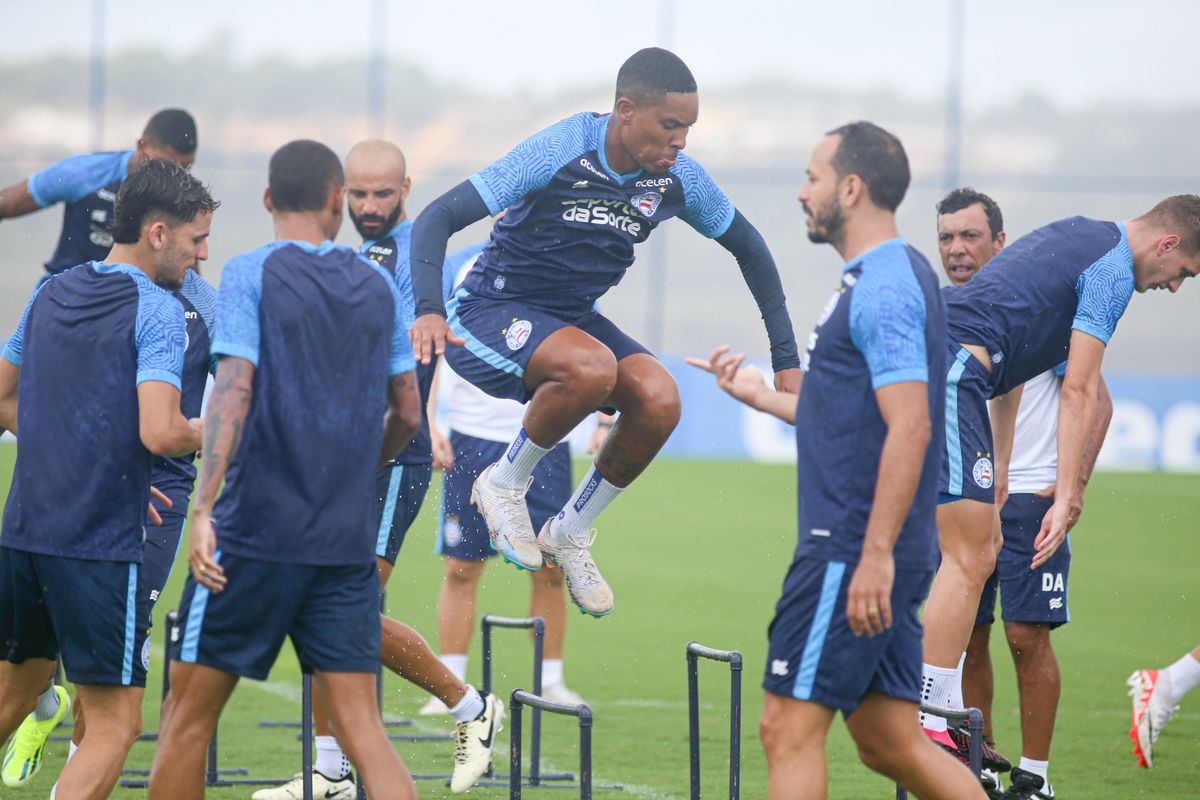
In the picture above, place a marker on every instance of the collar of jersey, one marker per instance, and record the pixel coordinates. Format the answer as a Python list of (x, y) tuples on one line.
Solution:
[(604, 159), (1125, 241), (858, 259), (320, 250), (109, 267), (393, 233)]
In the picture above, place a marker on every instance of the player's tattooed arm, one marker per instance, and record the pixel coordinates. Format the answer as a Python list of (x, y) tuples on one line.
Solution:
[(223, 426), (16, 201), (10, 376), (403, 417)]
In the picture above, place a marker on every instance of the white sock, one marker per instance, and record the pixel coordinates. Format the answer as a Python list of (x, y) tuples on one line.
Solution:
[(513, 469), (593, 496), (456, 663), (956, 688), (47, 705), (1039, 768), (71, 748), (1185, 676), (552, 671), (469, 707), (331, 761), (935, 689)]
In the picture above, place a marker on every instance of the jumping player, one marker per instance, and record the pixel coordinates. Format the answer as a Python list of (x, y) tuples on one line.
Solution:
[(579, 195), (87, 187), (1156, 694), (970, 230), (1063, 286), (846, 634), (377, 185), (93, 377), (314, 390)]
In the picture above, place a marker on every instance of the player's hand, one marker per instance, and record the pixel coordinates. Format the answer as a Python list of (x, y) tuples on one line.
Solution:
[(197, 426), (869, 598), (1047, 491), (1061, 517), (429, 334), (164, 501), (743, 383), (203, 545), (1001, 490), (788, 380), (443, 453)]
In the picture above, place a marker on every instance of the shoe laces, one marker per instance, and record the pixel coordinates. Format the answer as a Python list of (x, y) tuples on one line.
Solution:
[(461, 742), (580, 556)]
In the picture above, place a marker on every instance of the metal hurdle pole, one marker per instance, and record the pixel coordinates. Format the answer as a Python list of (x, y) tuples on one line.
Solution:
[(973, 717), (538, 626), (583, 712), (695, 652)]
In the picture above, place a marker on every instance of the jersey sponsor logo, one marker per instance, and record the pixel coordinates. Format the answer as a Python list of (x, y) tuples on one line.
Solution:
[(1053, 582), (822, 532), (498, 284), (779, 667), (647, 203), (518, 334), (381, 251), (99, 215), (806, 359), (452, 531), (100, 238), (654, 183), (982, 473), (1056, 603), (579, 185), (107, 195), (830, 307), (583, 162), (612, 213), (191, 315)]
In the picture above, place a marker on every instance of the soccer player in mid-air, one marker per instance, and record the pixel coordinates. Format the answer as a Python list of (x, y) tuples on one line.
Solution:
[(314, 390), (87, 187), (377, 185), (90, 384), (1061, 287), (846, 634), (579, 195), (970, 231)]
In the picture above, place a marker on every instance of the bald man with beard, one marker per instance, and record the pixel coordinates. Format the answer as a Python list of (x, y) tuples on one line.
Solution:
[(377, 184)]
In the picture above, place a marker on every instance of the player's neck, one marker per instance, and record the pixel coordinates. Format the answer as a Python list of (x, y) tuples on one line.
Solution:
[(301, 226), (864, 234), (134, 256)]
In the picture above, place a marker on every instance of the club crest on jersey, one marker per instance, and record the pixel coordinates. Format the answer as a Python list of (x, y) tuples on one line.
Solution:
[(982, 473), (146, 654), (518, 334), (452, 531), (647, 203), (498, 284)]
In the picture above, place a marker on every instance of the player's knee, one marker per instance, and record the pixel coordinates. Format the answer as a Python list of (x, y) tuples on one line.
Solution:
[(657, 403), (1027, 640), (463, 574), (593, 374), (876, 755)]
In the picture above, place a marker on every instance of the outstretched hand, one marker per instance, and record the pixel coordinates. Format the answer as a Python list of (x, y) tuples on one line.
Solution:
[(429, 334), (743, 383)]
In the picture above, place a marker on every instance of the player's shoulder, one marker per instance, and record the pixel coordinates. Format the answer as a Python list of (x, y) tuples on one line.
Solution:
[(893, 272), (571, 136), (689, 172)]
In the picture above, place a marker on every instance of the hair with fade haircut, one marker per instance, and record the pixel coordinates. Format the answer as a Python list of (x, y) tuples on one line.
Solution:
[(301, 175), (876, 156), (173, 128), (1180, 215), (158, 189), (965, 197), (652, 72)]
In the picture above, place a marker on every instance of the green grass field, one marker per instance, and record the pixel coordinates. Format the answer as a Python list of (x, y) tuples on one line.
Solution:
[(697, 550)]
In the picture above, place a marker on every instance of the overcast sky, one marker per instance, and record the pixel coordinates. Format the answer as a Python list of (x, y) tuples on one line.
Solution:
[(1074, 52)]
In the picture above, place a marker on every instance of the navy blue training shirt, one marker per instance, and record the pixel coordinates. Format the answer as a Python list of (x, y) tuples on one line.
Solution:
[(1074, 274), (392, 253), (87, 338), (325, 330), (87, 187), (199, 301), (885, 324)]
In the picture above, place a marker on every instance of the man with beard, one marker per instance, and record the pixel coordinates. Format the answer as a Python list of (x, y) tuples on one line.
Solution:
[(90, 383), (846, 634), (579, 196), (377, 184)]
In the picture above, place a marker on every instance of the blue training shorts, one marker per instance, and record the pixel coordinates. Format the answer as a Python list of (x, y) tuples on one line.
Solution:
[(400, 489), (162, 541), (462, 533), (1027, 596), (331, 614), (813, 655), (87, 611), (502, 335), (967, 468)]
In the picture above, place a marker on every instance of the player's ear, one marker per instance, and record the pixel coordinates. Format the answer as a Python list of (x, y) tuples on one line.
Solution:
[(337, 198), (155, 234), (624, 109), (1167, 243), (999, 240), (853, 189), (405, 187), (267, 200)]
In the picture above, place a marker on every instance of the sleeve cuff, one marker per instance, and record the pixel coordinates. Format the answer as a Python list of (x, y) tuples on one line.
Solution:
[(220, 348), (11, 356), (37, 196), (489, 199), (161, 375), (723, 228), (883, 379), (400, 366), (1092, 330)]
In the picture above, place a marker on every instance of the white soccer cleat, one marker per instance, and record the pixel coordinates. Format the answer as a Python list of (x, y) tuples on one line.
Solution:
[(323, 789), (571, 556), (473, 743), (561, 694), (433, 708), (1152, 707), (509, 528)]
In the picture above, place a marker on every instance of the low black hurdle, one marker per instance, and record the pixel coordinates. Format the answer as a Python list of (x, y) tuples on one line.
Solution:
[(695, 652), (973, 718), (518, 700)]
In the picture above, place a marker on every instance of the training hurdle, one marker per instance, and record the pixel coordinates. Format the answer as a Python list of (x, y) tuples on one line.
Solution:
[(695, 652), (517, 701), (973, 718)]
